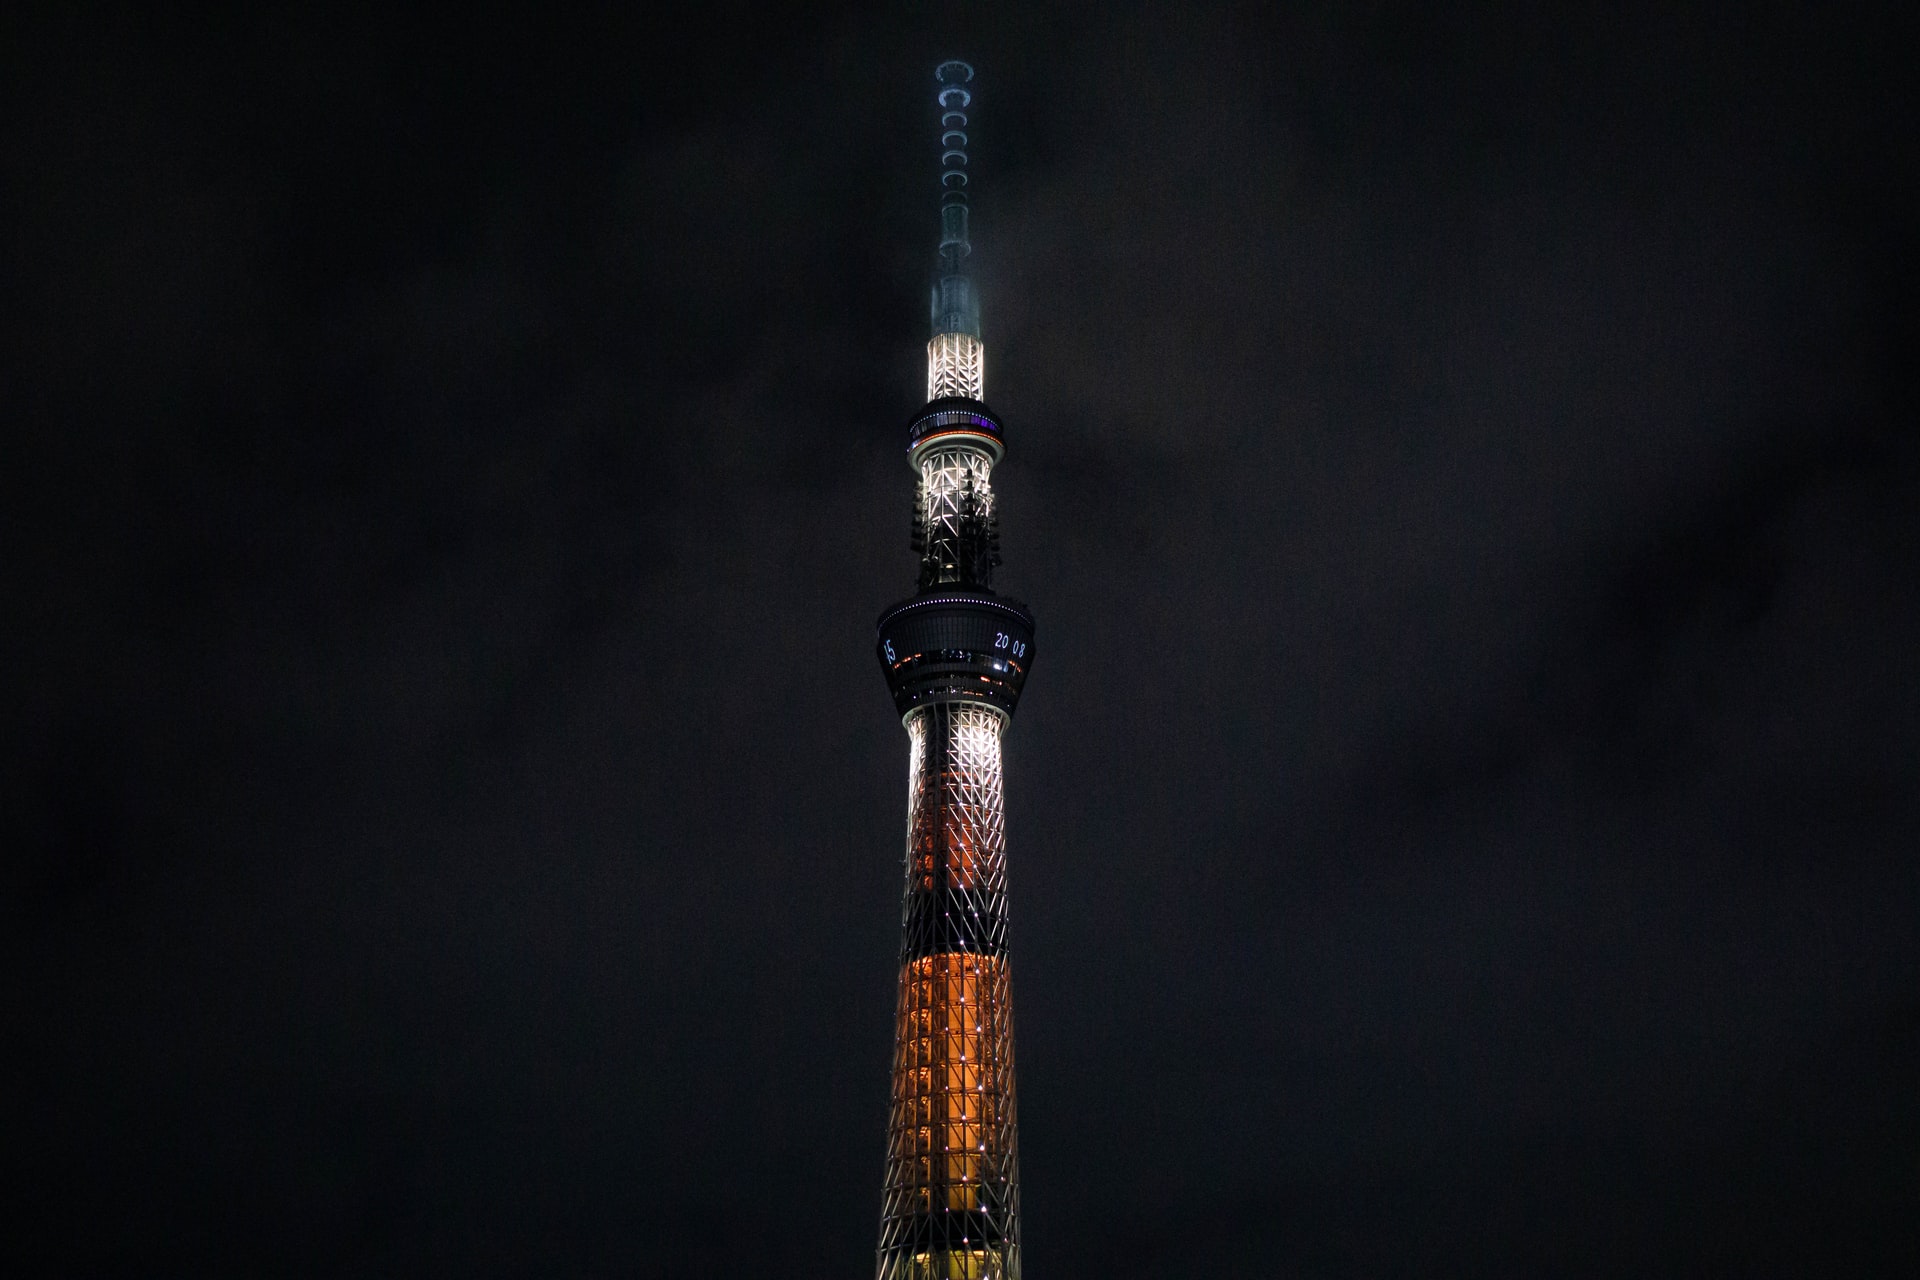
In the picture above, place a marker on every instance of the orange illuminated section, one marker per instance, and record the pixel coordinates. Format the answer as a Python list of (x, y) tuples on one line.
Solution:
[(956, 1264), (952, 1083), (950, 844)]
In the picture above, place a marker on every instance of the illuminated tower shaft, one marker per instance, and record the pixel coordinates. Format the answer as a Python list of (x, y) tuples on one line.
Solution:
[(955, 656)]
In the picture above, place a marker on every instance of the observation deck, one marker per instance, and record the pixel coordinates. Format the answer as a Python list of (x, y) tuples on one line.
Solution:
[(956, 644), (954, 421)]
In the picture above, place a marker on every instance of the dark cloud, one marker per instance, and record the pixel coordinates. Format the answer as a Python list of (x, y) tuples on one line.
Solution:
[(1460, 819)]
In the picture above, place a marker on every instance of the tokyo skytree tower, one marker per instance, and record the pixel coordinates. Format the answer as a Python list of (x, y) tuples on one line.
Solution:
[(955, 656)]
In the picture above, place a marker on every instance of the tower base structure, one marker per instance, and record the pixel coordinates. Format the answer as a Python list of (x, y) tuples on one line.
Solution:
[(951, 1203)]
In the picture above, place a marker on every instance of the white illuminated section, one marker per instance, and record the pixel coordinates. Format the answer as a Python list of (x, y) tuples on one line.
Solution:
[(951, 480), (916, 763), (967, 784), (956, 366), (973, 749)]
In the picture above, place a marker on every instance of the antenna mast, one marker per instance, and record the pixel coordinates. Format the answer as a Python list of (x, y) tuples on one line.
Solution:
[(955, 357)]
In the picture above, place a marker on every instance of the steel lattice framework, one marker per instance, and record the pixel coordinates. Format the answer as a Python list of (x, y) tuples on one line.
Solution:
[(954, 528), (956, 657), (956, 366), (954, 484)]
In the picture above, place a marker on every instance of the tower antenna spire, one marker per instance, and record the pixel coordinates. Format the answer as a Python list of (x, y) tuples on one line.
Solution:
[(955, 364)]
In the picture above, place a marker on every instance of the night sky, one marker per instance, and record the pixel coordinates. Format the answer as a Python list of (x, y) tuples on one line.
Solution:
[(1461, 821)]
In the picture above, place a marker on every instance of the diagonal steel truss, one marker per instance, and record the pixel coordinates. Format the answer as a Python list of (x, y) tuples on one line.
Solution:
[(953, 483), (954, 526), (956, 366)]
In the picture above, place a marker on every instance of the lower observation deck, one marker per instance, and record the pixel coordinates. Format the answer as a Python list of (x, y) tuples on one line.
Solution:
[(957, 644)]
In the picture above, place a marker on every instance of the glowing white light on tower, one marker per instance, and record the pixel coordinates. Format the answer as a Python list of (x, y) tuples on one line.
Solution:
[(956, 366)]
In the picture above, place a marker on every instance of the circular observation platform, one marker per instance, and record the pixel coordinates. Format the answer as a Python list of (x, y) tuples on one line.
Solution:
[(955, 644), (951, 421)]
